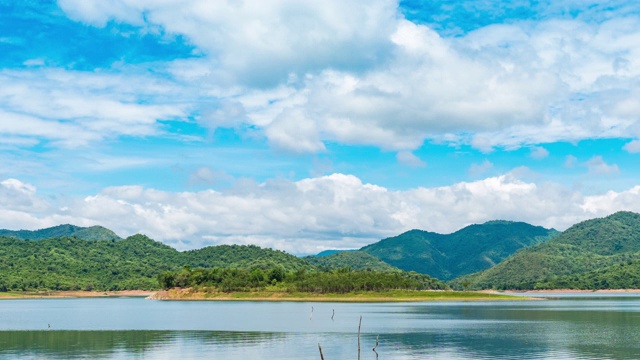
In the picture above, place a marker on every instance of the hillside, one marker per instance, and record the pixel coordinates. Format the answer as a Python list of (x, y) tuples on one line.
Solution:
[(85, 233), (242, 256), (583, 249), (331, 252), (357, 260), (70, 263), (471, 249), (624, 275)]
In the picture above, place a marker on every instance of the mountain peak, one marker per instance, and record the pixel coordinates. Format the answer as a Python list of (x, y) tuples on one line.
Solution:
[(95, 232)]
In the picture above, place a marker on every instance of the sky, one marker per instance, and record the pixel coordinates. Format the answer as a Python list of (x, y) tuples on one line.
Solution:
[(312, 125)]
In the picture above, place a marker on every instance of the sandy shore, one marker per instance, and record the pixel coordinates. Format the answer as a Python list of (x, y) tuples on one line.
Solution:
[(418, 296), (556, 291), (74, 294)]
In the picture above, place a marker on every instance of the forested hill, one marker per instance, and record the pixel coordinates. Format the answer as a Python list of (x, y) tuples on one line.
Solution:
[(357, 260), (471, 249), (581, 257), (85, 233), (71, 263)]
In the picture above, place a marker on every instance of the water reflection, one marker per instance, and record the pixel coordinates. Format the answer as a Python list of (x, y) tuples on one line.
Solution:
[(559, 329), (135, 343)]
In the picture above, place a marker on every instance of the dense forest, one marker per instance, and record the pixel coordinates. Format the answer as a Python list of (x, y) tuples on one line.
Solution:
[(343, 280), (595, 254), (70, 263), (86, 233), (357, 260), (586, 256), (137, 262), (468, 250)]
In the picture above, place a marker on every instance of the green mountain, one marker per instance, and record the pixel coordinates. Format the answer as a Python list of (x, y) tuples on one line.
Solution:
[(331, 252), (625, 275), (357, 260), (85, 233), (71, 263), (471, 249), (242, 256), (584, 251)]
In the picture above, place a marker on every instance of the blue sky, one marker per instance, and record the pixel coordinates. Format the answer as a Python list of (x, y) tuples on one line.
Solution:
[(306, 126)]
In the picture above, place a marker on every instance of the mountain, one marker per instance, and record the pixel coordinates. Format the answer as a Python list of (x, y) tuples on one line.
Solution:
[(357, 260), (331, 252), (85, 233), (624, 275), (71, 263), (242, 256), (471, 249), (583, 251)]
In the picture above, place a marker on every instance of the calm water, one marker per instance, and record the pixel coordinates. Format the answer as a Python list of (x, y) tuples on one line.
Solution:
[(568, 327)]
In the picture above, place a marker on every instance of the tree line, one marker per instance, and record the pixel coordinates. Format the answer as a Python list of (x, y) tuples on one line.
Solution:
[(343, 280)]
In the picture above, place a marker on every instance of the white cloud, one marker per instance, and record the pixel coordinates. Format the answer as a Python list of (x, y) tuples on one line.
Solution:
[(75, 108), (260, 43), (408, 158), (308, 215), (633, 147), (598, 166), (227, 114), (292, 130), (348, 71), (538, 152)]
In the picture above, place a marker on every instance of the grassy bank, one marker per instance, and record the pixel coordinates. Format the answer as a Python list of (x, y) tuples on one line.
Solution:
[(383, 296), (43, 294)]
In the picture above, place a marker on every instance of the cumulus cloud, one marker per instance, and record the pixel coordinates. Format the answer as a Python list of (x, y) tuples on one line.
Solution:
[(598, 166), (226, 114), (293, 131), (306, 216), (260, 43), (350, 72), (538, 153), (633, 147)]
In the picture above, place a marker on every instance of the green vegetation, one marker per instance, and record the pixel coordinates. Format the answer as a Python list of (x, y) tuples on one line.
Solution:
[(593, 254), (338, 281), (86, 233), (70, 263), (244, 257), (624, 275), (75, 264), (357, 260), (471, 249)]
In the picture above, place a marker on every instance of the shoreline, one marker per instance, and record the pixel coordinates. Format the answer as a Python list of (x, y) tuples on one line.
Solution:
[(73, 294), (363, 297), (572, 291), (274, 296)]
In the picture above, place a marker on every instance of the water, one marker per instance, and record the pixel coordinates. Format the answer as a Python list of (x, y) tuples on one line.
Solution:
[(568, 327)]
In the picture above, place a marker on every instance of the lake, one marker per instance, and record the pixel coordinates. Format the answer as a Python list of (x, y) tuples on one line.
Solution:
[(585, 326)]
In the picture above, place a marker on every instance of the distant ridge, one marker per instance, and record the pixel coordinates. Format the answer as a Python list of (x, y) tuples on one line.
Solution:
[(468, 250), (595, 254), (356, 260), (91, 233), (331, 252)]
